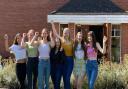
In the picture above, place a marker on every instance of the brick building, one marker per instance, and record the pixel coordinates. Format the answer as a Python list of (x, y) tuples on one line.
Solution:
[(21, 15), (104, 17)]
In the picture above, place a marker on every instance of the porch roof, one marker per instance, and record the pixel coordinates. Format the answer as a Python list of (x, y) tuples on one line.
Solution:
[(89, 6), (89, 12)]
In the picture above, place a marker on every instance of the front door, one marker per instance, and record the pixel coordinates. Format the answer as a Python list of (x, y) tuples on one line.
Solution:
[(98, 31)]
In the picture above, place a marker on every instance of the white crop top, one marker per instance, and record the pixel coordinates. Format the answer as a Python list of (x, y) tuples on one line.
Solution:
[(44, 51), (18, 51)]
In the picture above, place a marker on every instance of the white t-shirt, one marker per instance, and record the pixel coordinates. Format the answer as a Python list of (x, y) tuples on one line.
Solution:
[(19, 52)]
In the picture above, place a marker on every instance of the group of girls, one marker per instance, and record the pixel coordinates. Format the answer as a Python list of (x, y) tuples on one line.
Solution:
[(48, 54)]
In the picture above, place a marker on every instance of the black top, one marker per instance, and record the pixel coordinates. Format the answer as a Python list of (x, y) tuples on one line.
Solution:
[(57, 58), (90, 6)]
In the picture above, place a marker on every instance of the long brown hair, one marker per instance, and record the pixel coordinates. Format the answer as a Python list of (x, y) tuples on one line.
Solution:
[(15, 39), (48, 38), (91, 33), (59, 45), (82, 45)]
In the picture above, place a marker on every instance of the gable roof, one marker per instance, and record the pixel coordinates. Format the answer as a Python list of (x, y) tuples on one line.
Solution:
[(89, 6)]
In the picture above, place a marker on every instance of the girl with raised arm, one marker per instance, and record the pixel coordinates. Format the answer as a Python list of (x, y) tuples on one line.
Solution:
[(44, 48), (67, 45), (92, 66), (20, 58), (32, 63)]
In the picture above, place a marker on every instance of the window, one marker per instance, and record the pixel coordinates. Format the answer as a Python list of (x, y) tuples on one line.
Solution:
[(115, 43), (115, 31)]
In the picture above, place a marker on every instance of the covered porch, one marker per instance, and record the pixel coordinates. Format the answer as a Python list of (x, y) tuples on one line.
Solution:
[(109, 20)]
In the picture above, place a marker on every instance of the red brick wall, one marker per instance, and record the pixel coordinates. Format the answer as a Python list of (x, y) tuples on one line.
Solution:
[(107, 32), (71, 26), (124, 39), (21, 15)]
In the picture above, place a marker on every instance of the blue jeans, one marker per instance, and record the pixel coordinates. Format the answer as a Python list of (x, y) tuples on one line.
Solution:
[(68, 67), (43, 74), (32, 72), (92, 72)]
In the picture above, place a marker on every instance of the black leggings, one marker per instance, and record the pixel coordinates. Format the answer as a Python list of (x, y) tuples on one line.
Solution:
[(21, 74)]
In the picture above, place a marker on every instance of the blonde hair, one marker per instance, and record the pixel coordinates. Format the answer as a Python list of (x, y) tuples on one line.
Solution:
[(65, 30)]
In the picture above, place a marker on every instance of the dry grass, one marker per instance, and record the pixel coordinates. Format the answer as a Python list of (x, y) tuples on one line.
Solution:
[(111, 76)]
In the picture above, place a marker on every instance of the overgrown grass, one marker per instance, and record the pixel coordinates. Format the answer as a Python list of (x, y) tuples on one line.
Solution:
[(8, 77), (110, 76), (113, 75)]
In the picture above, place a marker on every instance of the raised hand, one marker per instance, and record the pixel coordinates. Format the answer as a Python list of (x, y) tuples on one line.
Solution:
[(24, 35), (105, 39), (36, 34), (5, 36)]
